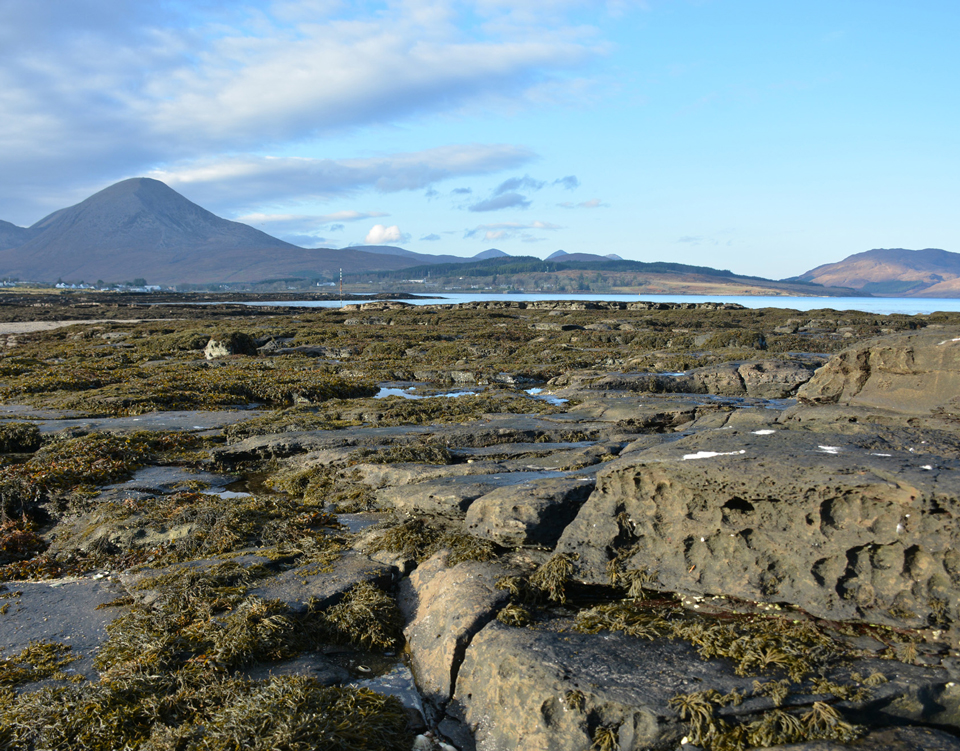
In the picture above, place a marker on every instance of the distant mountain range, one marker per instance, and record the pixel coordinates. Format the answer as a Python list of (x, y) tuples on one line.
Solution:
[(141, 228), (893, 272)]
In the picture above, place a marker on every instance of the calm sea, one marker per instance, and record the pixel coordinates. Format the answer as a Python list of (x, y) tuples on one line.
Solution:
[(879, 305)]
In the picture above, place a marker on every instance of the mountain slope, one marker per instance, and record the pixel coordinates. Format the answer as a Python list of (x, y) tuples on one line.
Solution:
[(893, 272), (143, 228), (12, 236)]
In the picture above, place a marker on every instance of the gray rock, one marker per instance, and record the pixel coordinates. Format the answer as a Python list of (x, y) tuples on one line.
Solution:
[(441, 497), (324, 586), (822, 522), (312, 664), (63, 610), (534, 513), (137, 580), (444, 608)]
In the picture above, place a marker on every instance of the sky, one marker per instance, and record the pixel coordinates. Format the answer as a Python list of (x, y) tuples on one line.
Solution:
[(761, 137)]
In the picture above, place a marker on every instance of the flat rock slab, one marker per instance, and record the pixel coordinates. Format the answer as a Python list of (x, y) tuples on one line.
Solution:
[(449, 497), (63, 610), (167, 480), (504, 450), (516, 689), (310, 664), (533, 513), (819, 521), (492, 430), (444, 608), (324, 585)]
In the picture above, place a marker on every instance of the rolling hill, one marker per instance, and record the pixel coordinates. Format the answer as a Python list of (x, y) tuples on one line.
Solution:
[(893, 272)]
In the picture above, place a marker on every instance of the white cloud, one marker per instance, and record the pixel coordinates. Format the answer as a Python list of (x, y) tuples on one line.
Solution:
[(593, 203), (380, 235), (251, 181), (103, 89)]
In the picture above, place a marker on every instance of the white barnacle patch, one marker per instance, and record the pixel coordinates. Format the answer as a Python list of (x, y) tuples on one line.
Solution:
[(711, 454)]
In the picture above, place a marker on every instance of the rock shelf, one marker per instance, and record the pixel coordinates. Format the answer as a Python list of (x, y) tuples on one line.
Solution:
[(724, 529)]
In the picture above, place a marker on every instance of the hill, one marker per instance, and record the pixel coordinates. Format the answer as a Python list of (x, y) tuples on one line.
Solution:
[(893, 272), (600, 274)]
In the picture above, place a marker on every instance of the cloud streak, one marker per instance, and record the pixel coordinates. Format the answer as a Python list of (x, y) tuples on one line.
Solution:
[(255, 180), (503, 201)]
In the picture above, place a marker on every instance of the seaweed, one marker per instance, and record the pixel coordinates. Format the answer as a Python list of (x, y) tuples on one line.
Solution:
[(417, 539), (19, 437), (205, 710), (36, 661), (366, 616)]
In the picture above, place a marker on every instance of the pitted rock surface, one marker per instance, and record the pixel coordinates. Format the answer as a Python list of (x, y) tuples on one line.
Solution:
[(818, 521)]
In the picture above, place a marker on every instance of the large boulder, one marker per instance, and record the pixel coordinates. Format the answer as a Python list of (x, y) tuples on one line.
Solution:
[(828, 523), (444, 608), (912, 374)]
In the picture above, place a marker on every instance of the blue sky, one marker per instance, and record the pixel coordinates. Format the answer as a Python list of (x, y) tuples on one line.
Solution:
[(763, 137)]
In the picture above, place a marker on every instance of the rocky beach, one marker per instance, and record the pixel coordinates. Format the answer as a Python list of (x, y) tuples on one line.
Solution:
[(554, 525)]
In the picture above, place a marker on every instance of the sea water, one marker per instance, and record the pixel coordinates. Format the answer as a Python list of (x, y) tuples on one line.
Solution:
[(878, 305)]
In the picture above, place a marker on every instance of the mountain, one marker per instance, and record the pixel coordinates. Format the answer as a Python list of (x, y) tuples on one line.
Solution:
[(563, 257), (12, 236), (491, 253), (143, 228), (893, 272)]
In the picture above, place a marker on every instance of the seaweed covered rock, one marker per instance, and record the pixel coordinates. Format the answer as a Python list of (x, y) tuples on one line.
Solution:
[(19, 437), (836, 525), (229, 343)]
